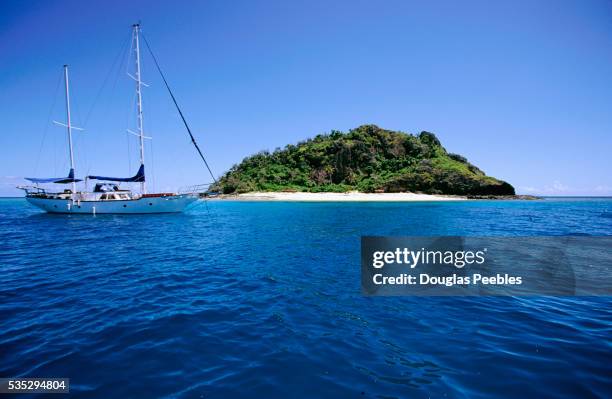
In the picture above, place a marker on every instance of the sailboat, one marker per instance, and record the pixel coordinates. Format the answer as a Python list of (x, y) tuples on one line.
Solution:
[(108, 196)]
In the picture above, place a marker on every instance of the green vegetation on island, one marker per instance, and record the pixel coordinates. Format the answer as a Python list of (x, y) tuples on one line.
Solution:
[(366, 159)]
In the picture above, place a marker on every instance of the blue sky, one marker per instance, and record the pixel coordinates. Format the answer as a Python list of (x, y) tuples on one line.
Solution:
[(523, 89)]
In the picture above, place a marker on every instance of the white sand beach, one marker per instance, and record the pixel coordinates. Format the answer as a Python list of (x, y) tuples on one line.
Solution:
[(352, 196)]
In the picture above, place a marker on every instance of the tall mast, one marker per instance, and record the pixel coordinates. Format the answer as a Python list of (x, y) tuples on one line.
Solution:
[(143, 187), (69, 126)]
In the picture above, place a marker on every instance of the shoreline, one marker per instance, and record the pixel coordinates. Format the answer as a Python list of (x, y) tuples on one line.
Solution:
[(352, 196)]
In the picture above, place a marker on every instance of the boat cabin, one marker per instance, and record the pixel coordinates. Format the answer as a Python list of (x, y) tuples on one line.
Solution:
[(111, 191), (105, 188)]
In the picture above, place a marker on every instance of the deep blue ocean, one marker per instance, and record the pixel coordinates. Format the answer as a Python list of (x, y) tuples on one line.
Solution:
[(263, 300)]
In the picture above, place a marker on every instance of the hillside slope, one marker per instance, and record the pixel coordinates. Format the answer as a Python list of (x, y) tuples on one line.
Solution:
[(367, 159)]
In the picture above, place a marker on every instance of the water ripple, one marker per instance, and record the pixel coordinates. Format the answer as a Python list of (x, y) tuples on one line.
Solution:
[(263, 300)]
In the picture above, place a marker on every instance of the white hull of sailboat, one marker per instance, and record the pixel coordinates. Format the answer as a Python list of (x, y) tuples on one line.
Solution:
[(146, 205)]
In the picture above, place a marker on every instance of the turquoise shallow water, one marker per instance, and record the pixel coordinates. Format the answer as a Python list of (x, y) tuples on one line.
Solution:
[(263, 300)]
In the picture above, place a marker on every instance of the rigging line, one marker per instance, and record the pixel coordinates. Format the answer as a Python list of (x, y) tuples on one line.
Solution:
[(108, 74), (79, 156), (86, 180), (127, 136), (127, 65), (46, 129), (193, 141), (114, 87), (54, 155), (152, 165), (128, 126)]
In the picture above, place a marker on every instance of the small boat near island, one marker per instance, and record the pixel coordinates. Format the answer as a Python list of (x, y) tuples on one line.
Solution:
[(107, 196)]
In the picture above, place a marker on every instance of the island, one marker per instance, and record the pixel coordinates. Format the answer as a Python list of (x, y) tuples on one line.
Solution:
[(365, 160)]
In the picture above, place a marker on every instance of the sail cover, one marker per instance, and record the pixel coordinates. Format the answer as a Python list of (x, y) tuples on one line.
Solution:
[(138, 177), (59, 180)]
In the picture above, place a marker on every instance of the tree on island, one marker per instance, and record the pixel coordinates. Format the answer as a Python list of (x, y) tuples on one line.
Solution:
[(366, 159)]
